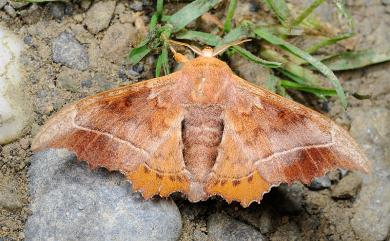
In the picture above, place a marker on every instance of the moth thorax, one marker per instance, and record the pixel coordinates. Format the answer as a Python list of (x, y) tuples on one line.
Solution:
[(207, 52)]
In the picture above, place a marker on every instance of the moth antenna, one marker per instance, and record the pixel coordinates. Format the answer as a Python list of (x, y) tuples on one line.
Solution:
[(223, 48), (193, 48), (180, 58)]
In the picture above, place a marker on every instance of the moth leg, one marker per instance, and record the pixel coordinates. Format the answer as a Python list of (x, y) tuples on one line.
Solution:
[(180, 58)]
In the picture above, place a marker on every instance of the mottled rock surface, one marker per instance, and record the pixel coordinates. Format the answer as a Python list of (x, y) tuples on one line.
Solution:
[(15, 108), (99, 16), (70, 202), (370, 127), (117, 41), (221, 227), (68, 51)]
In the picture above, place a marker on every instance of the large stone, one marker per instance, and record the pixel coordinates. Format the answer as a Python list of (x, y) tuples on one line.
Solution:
[(68, 51), (117, 41), (15, 109), (70, 202), (222, 227), (99, 16), (370, 127)]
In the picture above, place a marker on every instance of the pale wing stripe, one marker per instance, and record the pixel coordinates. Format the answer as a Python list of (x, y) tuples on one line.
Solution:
[(270, 157), (111, 136)]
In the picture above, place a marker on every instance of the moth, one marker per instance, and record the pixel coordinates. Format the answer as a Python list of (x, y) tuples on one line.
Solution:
[(202, 131)]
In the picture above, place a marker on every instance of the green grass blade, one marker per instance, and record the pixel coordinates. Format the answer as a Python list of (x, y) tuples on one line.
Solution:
[(229, 15), (162, 62), (240, 32), (157, 14), (342, 10), (138, 53), (248, 55), (206, 38), (357, 59), (310, 59), (293, 76), (281, 30), (291, 67), (310, 89), (315, 4), (190, 12), (271, 83), (279, 8), (327, 42)]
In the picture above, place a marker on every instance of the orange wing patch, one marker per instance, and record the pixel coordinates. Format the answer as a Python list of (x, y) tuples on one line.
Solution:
[(244, 190), (150, 182)]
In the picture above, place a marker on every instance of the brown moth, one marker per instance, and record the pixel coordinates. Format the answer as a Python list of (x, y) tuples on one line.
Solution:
[(202, 131)]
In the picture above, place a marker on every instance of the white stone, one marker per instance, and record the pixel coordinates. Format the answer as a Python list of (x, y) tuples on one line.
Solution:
[(14, 111)]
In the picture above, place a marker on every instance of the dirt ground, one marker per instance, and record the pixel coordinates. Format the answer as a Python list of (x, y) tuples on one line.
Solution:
[(286, 213)]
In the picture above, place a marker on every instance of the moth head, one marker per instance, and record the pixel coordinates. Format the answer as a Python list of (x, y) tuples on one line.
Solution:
[(207, 52)]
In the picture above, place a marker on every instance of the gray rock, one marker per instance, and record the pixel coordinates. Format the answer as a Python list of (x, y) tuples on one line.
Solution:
[(18, 4), (102, 81), (28, 40), (200, 236), (386, 2), (57, 9), (136, 6), (348, 187), (117, 41), (290, 198), (289, 231), (70, 202), (3, 3), (71, 79), (320, 183), (266, 223), (85, 4), (68, 51), (370, 127), (224, 228), (99, 16), (10, 10)]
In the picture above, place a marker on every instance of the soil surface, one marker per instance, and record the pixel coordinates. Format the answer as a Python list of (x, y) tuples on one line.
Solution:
[(73, 50)]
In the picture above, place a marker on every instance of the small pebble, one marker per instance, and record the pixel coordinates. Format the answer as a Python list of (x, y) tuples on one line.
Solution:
[(68, 9), (122, 74), (348, 187), (320, 183), (28, 40), (24, 143), (57, 9), (68, 51), (254, 6), (2, 3), (86, 83), (85, 4), (386, 2), (10, 11), (18, 4), (199, 235), (99, 16), (137, 6)]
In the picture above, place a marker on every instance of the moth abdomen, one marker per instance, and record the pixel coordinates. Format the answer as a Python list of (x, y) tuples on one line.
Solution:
[(202, 130)]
